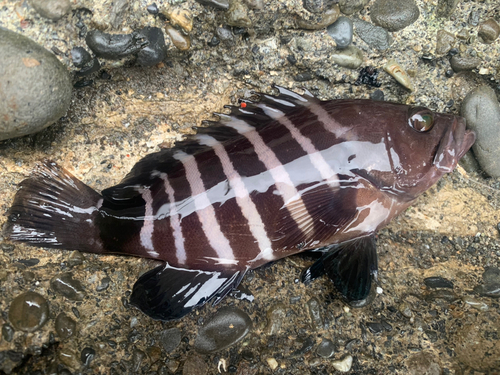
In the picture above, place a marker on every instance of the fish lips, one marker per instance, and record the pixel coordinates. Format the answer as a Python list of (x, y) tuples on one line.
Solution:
[(456, 141)]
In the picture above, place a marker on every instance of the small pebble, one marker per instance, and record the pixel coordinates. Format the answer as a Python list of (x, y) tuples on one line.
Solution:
[(423, 363), (87, 355), (180, 18), (65, 326), (115, 46), (170, 339), (349, 7), (275, 316), (155, 51), (36, 86), (464, 63), (398, 73), (341, 31), (221, 4), (478, 305), (138, 357), (350, 57), (181, 41), (446, 7), (51, 9), (76, 258), (237, 15), (377, 95), (394, 15), (313, 21), (326, 348), (375, 36), (344, 365), (194, 365), (153, 9), (375, 327), (70, 288), (474, 18), (28, 312), (489, 31), (7, 332), (80, 57), (438, 282), (444, 42), (228, 326), (482, 113), (273, 363), (315, 313)]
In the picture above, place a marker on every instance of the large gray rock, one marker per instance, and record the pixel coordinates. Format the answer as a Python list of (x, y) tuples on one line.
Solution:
[(482, 112), (35, 88), (394, 15)]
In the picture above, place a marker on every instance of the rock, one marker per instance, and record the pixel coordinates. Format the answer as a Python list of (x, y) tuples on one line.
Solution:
[(65, 326), (237, 15), (482, 112), (350, 57), (76, 258), (463, 63), (80, 57), (349, 7), (28, 312), (341, 31), (119, 9), (70, 288), (423, 363), (228, 326), (438, 282), (313, 21), (344, 365), (36, 87), (375, 36), (326, 348), (491, 283), (153, 9), (181, 41), (394, 15), (221, 4), (398, 73), (377, 95), (444, 42), (115, 46), (155, 51), (180, 18), (69, 357), (275, 316), (314, 308), (87, 355), (194, 365), (489, 31), (51, 9), (170, 339), (446, 7), (7, 332), (476, 304)]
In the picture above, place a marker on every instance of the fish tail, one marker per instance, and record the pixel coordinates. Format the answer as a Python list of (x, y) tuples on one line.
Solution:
[(54, 209)]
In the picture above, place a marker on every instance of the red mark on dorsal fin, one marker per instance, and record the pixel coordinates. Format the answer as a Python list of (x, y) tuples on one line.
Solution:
[(243, 105)]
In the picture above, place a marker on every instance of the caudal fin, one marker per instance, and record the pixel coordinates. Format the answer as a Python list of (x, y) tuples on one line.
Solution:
[(54, 209)]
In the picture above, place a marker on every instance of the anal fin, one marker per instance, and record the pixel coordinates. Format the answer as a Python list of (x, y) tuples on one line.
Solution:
[(169, 293), (351, 266)]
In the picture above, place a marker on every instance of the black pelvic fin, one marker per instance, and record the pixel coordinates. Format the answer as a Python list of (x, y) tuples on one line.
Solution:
[(168, 293), (351, 266)]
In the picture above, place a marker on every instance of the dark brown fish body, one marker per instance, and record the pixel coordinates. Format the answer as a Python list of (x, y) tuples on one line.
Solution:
[(275, 177)]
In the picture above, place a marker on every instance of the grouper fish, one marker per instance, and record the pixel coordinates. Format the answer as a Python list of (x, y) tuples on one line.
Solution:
[(276, 176)]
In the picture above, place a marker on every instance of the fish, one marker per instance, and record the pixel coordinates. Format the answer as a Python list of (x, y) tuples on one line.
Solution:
[(274, 176)]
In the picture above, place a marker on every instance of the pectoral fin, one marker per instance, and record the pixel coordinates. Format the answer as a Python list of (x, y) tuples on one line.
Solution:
[(168, 293), (351, 266)]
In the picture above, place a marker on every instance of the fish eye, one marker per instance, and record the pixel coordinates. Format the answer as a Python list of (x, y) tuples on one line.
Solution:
[(421, 119)]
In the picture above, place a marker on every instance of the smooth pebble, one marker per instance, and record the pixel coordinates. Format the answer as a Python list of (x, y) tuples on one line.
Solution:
[(394, 15), (341, 31), (28, 312), (343, 365), (375, 36), (156, 50), (51, 9), (70, 288), (65, 326)]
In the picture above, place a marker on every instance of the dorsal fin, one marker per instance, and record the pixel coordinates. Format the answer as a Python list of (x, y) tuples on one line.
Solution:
[(258, 114)]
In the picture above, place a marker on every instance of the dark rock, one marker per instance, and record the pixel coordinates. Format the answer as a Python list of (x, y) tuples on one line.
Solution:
[(115, 46), (307, 345), (375, 36), (35, 86), (221, 4), (51, 9), (444, 42), (377, 95), (368, 76), (87, 355), (303, 77), (224, 33), (156, 50), (275, 316), (70, 288), (464, 63), (446, 7), (65, 326), (153, 9), (29, 262), (314, 308), (7, 332), (313, 21), (438, 282), (341, 31), (80, 57), (326, 348), (104, 284), (394, 15), (474, 18), (75, 258), (489, 31), (482, 113), (352, 6), (28, 312), (228, 326), (375, 327), (170, 339), (213, 42)]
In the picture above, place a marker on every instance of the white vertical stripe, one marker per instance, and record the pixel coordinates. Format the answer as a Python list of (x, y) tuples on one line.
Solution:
[(204, 209), (146, 234), (328, 121), (314, 155), (175, 222), (281, 177), (242, 196)]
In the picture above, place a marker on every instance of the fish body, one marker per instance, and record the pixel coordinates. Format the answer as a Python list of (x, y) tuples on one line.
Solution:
[(274, 177)]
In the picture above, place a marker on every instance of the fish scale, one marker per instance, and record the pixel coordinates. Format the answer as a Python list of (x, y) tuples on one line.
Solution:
[(273, 177)]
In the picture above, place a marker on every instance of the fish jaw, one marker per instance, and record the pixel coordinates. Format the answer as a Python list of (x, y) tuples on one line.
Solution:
[(456, 141)]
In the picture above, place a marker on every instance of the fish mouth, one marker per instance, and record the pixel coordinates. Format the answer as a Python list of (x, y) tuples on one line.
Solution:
[(456, 141)]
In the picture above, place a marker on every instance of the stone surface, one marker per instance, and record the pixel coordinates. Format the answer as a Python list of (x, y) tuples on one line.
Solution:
[(350, 57), (65, 326), (394, 15), (115, 46), (444, 42), (36, 87), (446, 7), (51, 9), (489, 31), (341, 31), (482, 112), (28, 312), (375, 36), (155, 51), (67, 286), (349, 7), (464, 63)]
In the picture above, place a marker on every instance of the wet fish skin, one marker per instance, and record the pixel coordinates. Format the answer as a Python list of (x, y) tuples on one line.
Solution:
[(274, 177)]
